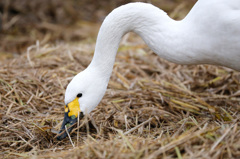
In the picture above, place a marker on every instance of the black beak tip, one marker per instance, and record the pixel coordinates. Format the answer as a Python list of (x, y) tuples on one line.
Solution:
[(67, 122), (62, 136)]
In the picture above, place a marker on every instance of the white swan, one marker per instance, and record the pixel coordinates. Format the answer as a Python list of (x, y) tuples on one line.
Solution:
[(209, 34)]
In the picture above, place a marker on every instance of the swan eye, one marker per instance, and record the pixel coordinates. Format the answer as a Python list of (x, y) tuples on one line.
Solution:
[(79, 95)]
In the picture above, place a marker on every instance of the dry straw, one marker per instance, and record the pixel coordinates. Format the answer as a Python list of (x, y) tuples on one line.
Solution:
[(152, 108)]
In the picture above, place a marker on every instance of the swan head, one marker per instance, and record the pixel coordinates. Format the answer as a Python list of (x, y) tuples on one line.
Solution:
[(82, 95)]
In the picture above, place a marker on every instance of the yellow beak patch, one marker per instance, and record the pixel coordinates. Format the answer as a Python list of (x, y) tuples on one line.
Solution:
[(73, 108)]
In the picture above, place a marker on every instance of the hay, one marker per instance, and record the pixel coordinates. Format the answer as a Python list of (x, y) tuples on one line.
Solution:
[(151, 108)]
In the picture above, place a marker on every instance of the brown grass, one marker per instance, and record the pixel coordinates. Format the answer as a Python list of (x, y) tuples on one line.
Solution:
[(152, 108), (193, 110)]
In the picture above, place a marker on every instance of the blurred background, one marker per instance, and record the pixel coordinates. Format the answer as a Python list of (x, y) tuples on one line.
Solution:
[(23, 22)]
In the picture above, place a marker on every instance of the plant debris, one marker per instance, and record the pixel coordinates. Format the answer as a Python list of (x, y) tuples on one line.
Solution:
[(152, 108), (194, 110)]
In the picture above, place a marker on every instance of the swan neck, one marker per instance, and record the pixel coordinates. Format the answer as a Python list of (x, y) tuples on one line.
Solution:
[(146, 20)]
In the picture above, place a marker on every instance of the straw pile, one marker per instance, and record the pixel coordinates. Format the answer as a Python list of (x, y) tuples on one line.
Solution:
[(152, 108)]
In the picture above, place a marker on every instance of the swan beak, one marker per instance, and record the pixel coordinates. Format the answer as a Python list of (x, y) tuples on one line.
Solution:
[(72, 110)]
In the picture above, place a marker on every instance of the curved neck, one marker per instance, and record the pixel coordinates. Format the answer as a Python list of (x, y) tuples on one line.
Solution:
[(148, 21)]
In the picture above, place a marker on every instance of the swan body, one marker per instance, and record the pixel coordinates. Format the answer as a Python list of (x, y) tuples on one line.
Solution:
[(209, 34)]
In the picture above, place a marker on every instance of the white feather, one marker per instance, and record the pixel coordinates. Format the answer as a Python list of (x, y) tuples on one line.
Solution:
[(209, 34)]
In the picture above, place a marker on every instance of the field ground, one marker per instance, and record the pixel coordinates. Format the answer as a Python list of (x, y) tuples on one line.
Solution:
[(152, 108)]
